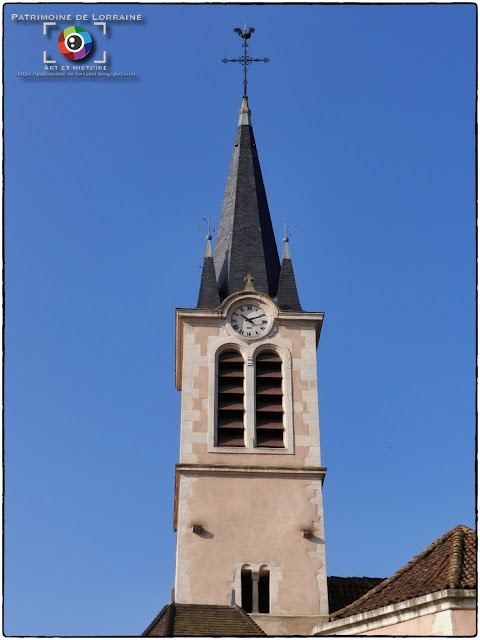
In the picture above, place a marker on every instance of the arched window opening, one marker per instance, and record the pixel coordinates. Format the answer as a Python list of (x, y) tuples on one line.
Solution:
[(247, 589), (269, 401), (230, 400), (264, 590)]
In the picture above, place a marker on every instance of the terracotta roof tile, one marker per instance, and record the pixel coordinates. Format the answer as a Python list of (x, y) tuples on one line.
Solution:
[(181, 620), (448, 563)]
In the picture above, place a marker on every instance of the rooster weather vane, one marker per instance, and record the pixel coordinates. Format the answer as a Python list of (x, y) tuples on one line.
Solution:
[(245, 60)]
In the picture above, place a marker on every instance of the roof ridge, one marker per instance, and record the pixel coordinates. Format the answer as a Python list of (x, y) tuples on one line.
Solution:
[(400, 572), (456, 558), (245, 614), (172, 610), (357, 577), (156, 619)]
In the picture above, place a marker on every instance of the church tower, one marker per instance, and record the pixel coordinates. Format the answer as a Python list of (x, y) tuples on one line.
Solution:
[(248, 486)]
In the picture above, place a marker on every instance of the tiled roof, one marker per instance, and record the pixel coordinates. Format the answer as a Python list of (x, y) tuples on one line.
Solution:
[(185, 620), (344, 591), (448, 563)]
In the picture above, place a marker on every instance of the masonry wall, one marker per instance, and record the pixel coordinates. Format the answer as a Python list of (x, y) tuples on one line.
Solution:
[(443, 623), (257, 520), (296, 342)]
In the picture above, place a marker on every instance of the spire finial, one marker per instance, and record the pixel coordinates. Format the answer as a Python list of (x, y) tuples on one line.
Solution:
[(245, 60), (286, 250), (208, 237), (208, 248)]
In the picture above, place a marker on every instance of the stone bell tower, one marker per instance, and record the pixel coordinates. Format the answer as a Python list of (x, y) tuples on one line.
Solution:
[(248, 488)]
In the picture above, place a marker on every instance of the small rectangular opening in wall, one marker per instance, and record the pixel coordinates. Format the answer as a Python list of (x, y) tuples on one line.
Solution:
[(264, 591), (247, 585)]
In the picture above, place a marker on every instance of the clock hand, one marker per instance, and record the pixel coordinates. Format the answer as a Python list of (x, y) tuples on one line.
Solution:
[(257, 317)]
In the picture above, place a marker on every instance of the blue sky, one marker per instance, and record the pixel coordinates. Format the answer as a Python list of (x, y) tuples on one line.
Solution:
[(364, 120)]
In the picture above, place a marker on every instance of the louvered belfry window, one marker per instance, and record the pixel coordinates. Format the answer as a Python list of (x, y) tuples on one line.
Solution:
[(269, 401), (230, 400)]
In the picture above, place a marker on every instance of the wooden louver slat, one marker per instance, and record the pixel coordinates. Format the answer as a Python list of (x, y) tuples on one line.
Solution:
[(265, 387), (230, 356), (268, 357), (269, 374), (232, 373), (270, 403), (232, 387)]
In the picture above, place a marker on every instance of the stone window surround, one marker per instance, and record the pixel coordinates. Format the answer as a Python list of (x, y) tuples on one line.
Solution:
[(256, 569), (249, 352)]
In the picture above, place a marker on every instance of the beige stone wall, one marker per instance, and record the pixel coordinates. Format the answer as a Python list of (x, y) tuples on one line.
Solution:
[(442, 623), (252, 503), (464, 622), (295, 340), (255, 519), (451, 612), (275, 625)]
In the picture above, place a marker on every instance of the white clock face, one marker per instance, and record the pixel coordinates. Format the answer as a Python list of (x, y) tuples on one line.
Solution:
[(250, 320)]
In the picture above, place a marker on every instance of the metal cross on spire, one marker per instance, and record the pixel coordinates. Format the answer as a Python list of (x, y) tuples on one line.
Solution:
[(245, 60)]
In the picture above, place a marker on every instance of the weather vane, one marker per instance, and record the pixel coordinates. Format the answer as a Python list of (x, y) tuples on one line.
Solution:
[(245, 60), (209, 229), (286, 231)]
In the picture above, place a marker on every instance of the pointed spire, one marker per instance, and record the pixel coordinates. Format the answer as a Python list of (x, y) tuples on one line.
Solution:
[(208, 297), (245, 241), (287, 298)]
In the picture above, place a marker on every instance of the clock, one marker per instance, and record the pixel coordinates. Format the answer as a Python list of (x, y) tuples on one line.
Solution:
[(250, 320)]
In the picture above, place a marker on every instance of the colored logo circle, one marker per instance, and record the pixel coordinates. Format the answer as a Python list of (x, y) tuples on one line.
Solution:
[(75, 43)]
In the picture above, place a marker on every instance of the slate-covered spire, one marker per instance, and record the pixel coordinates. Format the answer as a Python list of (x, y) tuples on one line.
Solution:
[(245, 240), (287, 298), (208, 297)]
